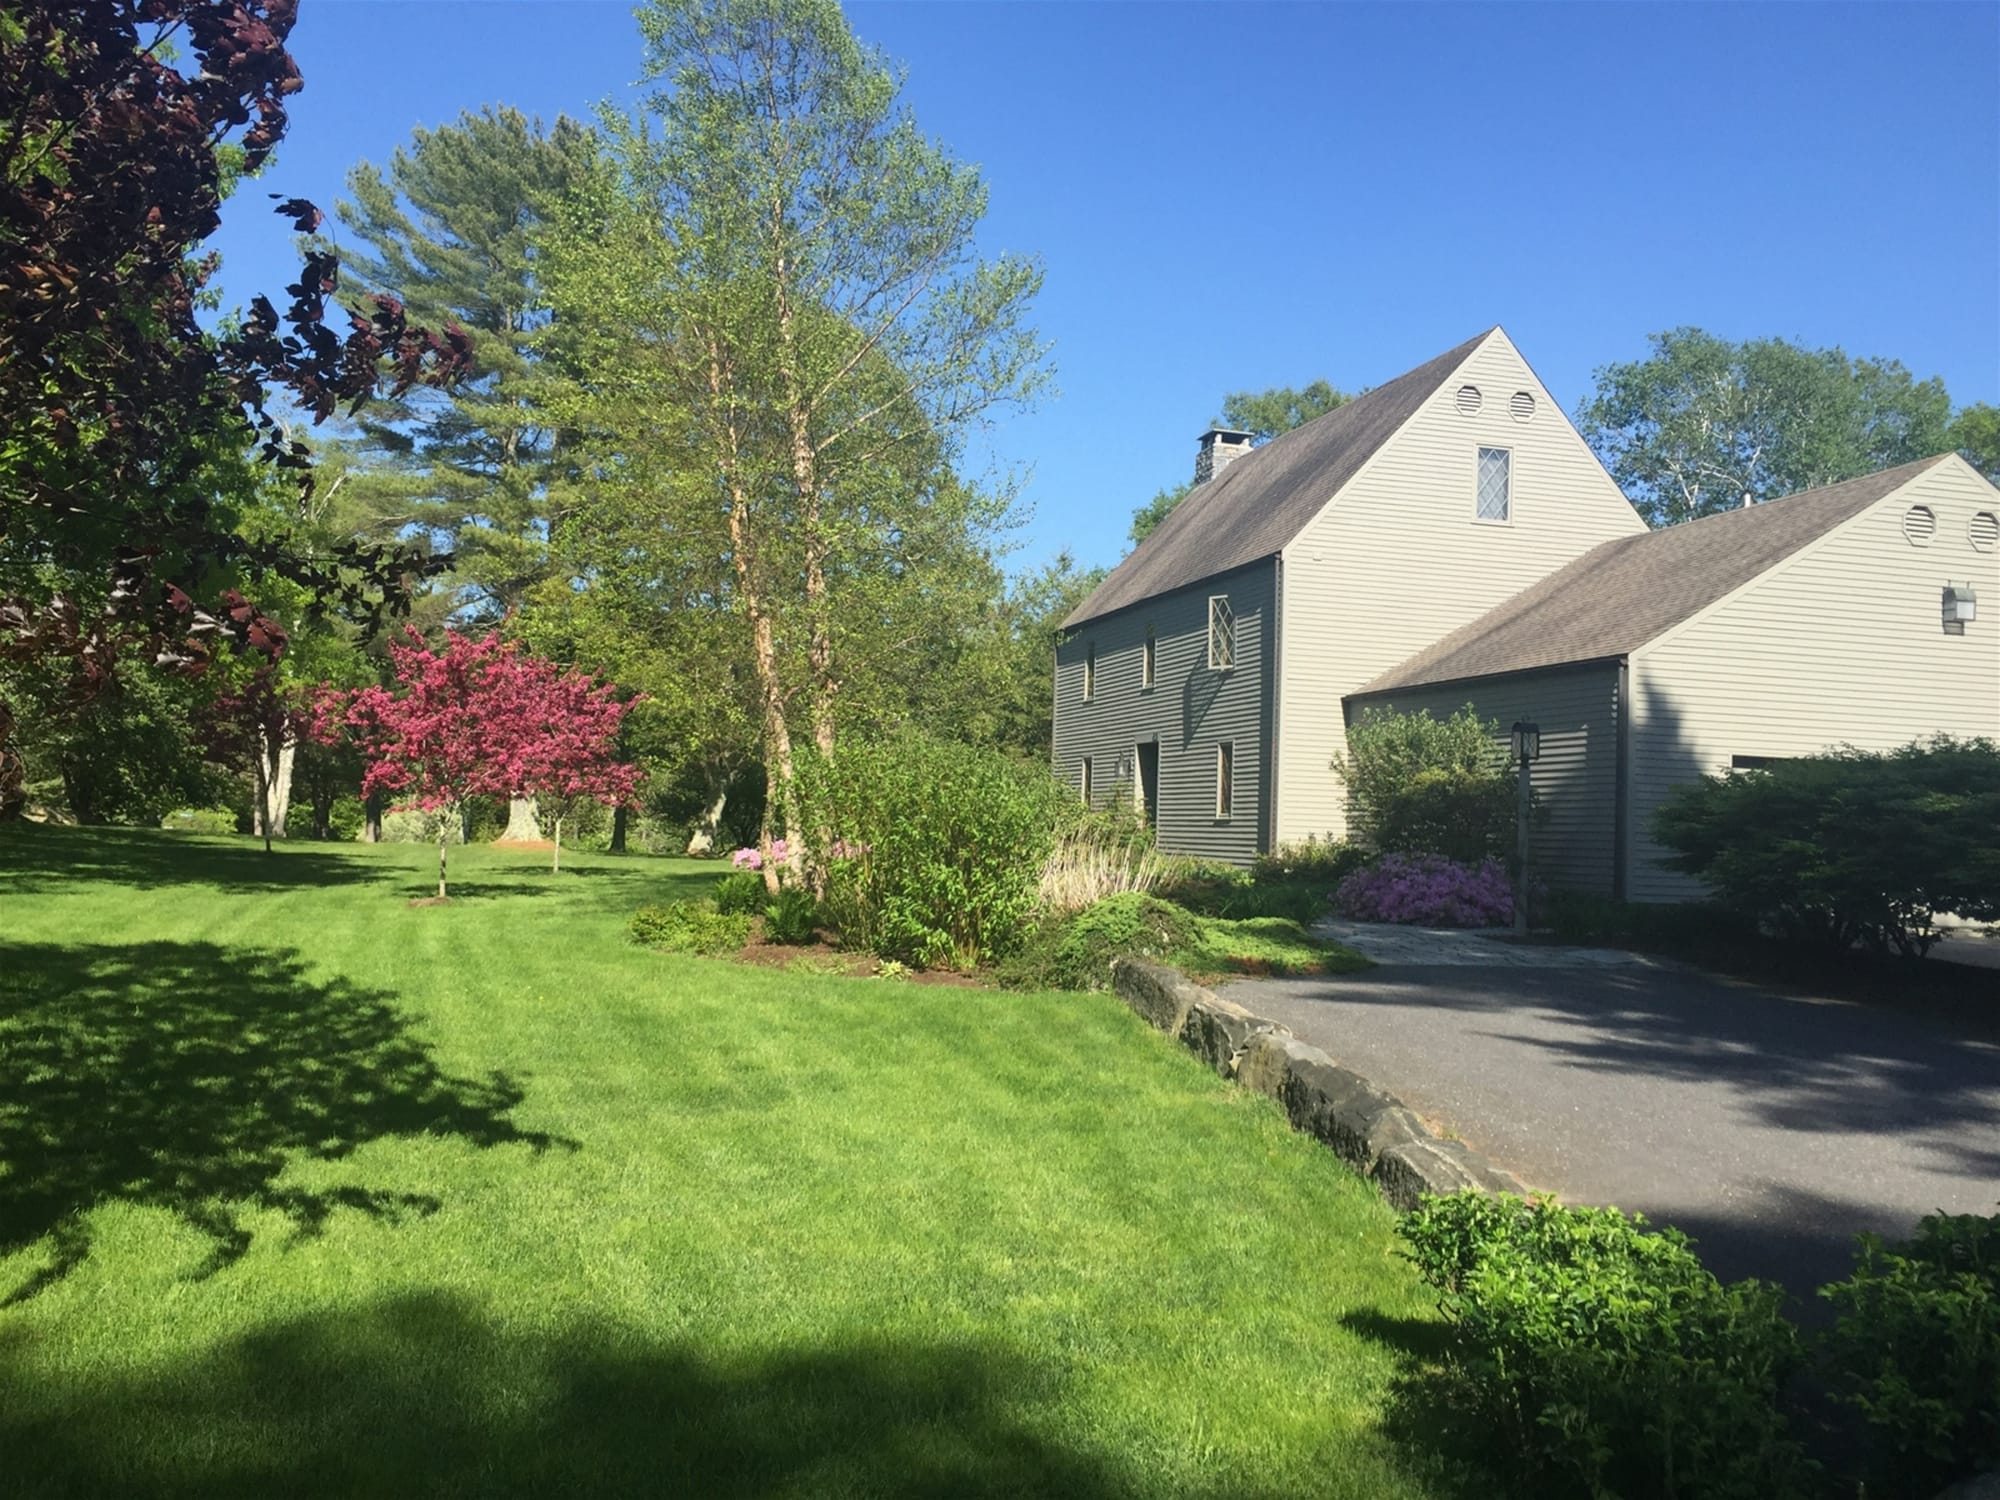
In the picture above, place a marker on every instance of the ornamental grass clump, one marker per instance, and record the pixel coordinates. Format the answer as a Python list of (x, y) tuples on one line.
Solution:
[(1428, 890)]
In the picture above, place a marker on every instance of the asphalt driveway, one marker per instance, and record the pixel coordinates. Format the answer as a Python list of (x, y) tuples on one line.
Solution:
[(1769, 1127)]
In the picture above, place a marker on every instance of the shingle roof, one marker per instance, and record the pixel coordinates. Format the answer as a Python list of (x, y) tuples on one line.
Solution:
[(1622, 594), (1255, 506)]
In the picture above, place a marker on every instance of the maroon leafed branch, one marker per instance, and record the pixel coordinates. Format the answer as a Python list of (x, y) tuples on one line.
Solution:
[(112, 113)]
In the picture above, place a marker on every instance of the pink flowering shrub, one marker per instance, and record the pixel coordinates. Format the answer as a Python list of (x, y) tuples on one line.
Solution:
[(752, 859), (1428, 890)]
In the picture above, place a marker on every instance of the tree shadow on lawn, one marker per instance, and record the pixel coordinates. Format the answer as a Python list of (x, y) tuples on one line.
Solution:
[(1428, 1413), (187, 1076), (424, 1395), (36, 860)]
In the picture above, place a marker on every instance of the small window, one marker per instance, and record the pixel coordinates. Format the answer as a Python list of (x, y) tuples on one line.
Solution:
[(1495, 496), (1984, 531), (1221, 634), (1920, 525), (1089, 673), (1522, 406), (1146, 660), (1753, 762), (1468, 400), (1086, 781), (1225, 779)]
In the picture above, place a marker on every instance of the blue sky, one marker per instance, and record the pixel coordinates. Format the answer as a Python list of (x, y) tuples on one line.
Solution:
[(1233, 196)]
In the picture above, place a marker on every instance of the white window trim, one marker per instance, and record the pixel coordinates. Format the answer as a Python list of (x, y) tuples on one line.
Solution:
[(1149, 663), (1230, 665), (1090, 672), (1225, 781), (1477, 518), (1084, 779)]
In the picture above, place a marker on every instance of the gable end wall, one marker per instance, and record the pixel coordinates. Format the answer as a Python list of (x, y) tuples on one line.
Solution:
[(1842, 643), (1398, 561)]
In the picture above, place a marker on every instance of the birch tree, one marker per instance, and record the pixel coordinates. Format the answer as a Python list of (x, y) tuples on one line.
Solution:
[(817, 330)]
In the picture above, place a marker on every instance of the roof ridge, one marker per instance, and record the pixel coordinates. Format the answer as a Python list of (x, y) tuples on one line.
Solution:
[(1259, 503)]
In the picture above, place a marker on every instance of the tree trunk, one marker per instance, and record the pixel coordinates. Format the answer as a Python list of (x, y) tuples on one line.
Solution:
[(703, 841), (779, 771), (555, 864), (618, 829), (444, 838), (272, 765), (13, 770), (371, 819), (260, 778), (524, 823)]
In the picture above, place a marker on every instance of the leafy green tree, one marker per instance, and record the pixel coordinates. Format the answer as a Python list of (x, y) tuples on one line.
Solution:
[(1264, 415), (1271, 413), (478, 473), (776, 282), (1975, 432), (1702, 423), (449, 228)]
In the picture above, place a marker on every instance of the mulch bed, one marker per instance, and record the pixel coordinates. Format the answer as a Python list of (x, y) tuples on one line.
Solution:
[(835, 962)]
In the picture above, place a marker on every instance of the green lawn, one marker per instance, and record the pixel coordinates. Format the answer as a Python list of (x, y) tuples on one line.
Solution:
[(305, 1191)]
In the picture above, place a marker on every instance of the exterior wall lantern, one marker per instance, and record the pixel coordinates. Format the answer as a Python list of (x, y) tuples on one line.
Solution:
[(1961, 605), (1527, 741)]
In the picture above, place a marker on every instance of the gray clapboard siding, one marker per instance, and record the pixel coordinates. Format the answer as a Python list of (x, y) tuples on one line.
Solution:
[(1189, 712), (1576, 778)]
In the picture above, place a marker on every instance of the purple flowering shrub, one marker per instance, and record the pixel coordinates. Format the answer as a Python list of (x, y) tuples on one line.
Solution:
[(1428, 890)]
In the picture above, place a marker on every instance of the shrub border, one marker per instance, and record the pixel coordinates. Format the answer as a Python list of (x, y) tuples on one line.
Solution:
[(1369, 1129)]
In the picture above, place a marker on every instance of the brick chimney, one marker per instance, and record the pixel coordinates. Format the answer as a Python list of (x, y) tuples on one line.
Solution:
[(1219, 448)]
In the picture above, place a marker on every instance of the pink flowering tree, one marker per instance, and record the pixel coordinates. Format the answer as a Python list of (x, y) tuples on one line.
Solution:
[(570, 755), (480, 718)]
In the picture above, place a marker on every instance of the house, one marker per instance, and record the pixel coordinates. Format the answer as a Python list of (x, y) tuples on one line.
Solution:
[(1825, 618), (1448, 538), (1205, 677)]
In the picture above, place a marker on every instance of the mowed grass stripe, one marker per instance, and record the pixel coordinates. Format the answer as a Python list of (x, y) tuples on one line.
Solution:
[(306, 1191)]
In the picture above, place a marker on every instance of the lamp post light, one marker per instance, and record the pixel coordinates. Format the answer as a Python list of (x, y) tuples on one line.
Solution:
[(1527, 743)]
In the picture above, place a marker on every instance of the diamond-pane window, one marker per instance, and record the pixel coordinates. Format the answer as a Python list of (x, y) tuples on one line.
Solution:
[(1221, 634), (1495, 473)]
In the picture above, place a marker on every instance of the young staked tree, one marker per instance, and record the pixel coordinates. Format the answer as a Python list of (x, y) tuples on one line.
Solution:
[(475, 719), (788, 266)]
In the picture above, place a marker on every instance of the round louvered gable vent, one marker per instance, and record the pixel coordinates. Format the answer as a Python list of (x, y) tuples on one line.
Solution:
[(1919, 525), (1984, 531), (1522, 405), (1468, 400)]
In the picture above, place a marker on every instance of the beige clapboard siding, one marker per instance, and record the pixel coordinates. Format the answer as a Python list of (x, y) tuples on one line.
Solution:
[(1843, 643), (1574, 844), (1190, 711), (1397, 561)]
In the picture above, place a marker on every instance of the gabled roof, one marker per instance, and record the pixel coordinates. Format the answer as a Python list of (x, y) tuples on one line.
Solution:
[(1256, 505), (1620, 595)]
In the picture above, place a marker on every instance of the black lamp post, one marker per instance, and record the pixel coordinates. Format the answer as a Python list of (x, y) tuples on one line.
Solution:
[(1527, 742)]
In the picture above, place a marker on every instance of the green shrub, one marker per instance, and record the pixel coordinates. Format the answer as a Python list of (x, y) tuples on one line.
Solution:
[(792, 918), (1076, 952), (933, 850), (1422, 785), (742, 893), (200, 820), (689, 927), (1584, 917), (1321, 861), (345, 819), (1915, 1349), (1604, 1359), (1849, 847)]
